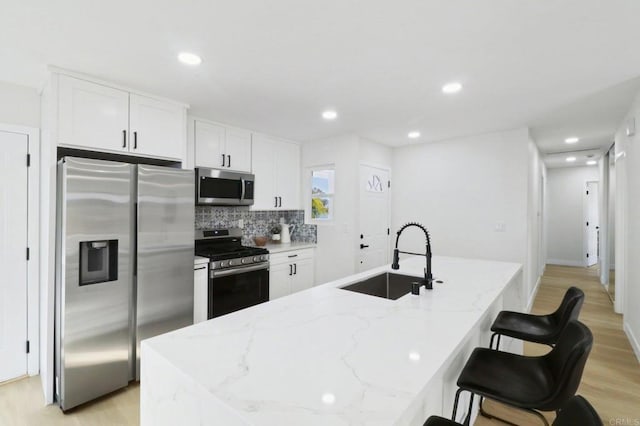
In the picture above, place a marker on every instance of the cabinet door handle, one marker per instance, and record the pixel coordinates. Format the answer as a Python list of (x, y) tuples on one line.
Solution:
[(363, 246), (223, 158), (279, 201), (290, 270), (295, 269), (124, 138), (229, 161), (135, 140), (199, 269), (293, 255), (276, 204)]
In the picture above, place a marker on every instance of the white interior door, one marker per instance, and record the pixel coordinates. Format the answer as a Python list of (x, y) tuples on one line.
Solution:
[(592, 223), (13, 259), (373, 242)]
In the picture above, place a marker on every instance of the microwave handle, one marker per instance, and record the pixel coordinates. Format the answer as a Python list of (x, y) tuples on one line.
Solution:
[(242, 191)]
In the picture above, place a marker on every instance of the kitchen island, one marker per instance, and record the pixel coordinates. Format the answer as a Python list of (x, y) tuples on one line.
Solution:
[(328, 356)]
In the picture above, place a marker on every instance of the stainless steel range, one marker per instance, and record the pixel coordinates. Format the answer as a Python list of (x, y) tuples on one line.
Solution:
[(238, 275)]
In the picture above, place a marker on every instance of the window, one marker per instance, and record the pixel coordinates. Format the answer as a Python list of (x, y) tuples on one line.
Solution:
[(322, 193)]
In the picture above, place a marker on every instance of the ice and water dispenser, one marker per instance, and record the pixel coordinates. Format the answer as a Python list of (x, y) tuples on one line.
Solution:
[(98, 261)]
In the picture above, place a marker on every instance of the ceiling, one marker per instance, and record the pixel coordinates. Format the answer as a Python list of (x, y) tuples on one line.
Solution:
[(275, 66)]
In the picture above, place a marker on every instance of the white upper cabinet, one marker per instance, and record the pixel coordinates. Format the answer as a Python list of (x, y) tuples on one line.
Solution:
[(97, 117), (157, 128), (238, 149), (222, 147), (92, 115), (288, 175), (209, 142), (264, 160), (276, 164)]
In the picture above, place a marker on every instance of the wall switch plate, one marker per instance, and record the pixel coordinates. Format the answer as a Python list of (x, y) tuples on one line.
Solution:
[(500, 227), (631, 126)]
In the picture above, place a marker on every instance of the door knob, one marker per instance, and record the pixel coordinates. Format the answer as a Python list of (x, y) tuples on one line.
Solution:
[(363, 246)]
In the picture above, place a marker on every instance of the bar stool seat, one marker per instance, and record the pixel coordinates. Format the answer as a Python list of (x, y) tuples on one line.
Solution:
[(544, 329), (527, 378), (532, 328)]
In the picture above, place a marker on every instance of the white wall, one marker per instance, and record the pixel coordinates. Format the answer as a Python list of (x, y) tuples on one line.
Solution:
[(335, 256), (19, 105), (338, 239), (536, 244), (461, 190), (566, 193), (627, 227)]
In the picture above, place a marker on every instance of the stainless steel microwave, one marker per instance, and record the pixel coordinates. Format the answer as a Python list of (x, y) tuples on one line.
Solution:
[(223, 188)]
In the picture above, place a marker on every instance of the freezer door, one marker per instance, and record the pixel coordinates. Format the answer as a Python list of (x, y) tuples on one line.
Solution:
[(165, 252), (93, 279)]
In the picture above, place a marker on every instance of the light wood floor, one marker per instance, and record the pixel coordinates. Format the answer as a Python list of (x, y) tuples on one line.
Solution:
[(611, 380), (22, 404)]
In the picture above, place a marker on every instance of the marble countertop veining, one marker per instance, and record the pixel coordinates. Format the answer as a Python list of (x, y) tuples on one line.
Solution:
[(324, 356)]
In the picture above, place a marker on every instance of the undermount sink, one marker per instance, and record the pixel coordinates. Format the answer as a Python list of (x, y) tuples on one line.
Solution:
[(386, 285)]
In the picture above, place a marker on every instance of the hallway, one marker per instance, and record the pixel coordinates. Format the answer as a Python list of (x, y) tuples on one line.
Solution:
[(611, 379)]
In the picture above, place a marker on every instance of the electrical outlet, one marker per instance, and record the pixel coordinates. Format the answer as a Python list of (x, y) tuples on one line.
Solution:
[(500, 227), (240, 223)]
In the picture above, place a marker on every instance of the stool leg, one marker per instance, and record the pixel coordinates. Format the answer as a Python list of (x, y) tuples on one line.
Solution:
[(455, 404), (498, 344), (493, 336), (468, 418)]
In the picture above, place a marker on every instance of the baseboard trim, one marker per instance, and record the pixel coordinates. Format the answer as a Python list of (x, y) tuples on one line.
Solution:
[(534, 293), (563, 262), (635, 345)]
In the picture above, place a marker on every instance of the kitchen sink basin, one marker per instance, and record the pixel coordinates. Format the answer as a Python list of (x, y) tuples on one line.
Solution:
[(387, 285)]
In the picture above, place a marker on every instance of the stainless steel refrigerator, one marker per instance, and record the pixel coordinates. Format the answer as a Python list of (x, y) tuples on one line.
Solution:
[(124, 269)]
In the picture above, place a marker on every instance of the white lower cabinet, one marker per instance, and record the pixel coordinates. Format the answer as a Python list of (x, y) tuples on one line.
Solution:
[(290, 272), (200, 289)]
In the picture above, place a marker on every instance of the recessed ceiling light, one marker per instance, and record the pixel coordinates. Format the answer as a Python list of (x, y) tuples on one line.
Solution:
[(189, 58), (413, 135), (571, 159), (572, 139), (329, 115), (453, 87), (592, 163), (328, 398)]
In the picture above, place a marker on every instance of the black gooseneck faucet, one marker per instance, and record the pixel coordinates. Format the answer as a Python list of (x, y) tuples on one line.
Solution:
[(428, 277)]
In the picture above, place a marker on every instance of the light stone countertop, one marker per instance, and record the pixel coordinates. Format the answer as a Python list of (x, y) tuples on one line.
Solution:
[(323, 356), (294, 245)]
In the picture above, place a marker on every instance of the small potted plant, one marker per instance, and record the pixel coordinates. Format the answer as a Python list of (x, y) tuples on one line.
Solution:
[(275, 233)]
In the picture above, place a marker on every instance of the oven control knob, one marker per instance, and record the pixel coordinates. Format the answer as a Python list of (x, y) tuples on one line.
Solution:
[(263, 257), (255, 258), (243, 261), (231, 263), (223, 264)]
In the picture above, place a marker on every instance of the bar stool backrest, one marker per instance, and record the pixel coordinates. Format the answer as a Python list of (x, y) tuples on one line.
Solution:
[(566, 362), (569, 309)]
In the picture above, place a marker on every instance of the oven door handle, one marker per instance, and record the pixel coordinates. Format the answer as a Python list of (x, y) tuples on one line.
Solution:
[(233, 271)]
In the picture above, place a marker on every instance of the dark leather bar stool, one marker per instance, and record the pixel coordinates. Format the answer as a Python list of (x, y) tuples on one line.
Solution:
[(577, 411), (529, 383), (545, 329)]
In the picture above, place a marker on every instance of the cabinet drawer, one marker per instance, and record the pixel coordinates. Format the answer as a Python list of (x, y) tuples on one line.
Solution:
[(291, 256)]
